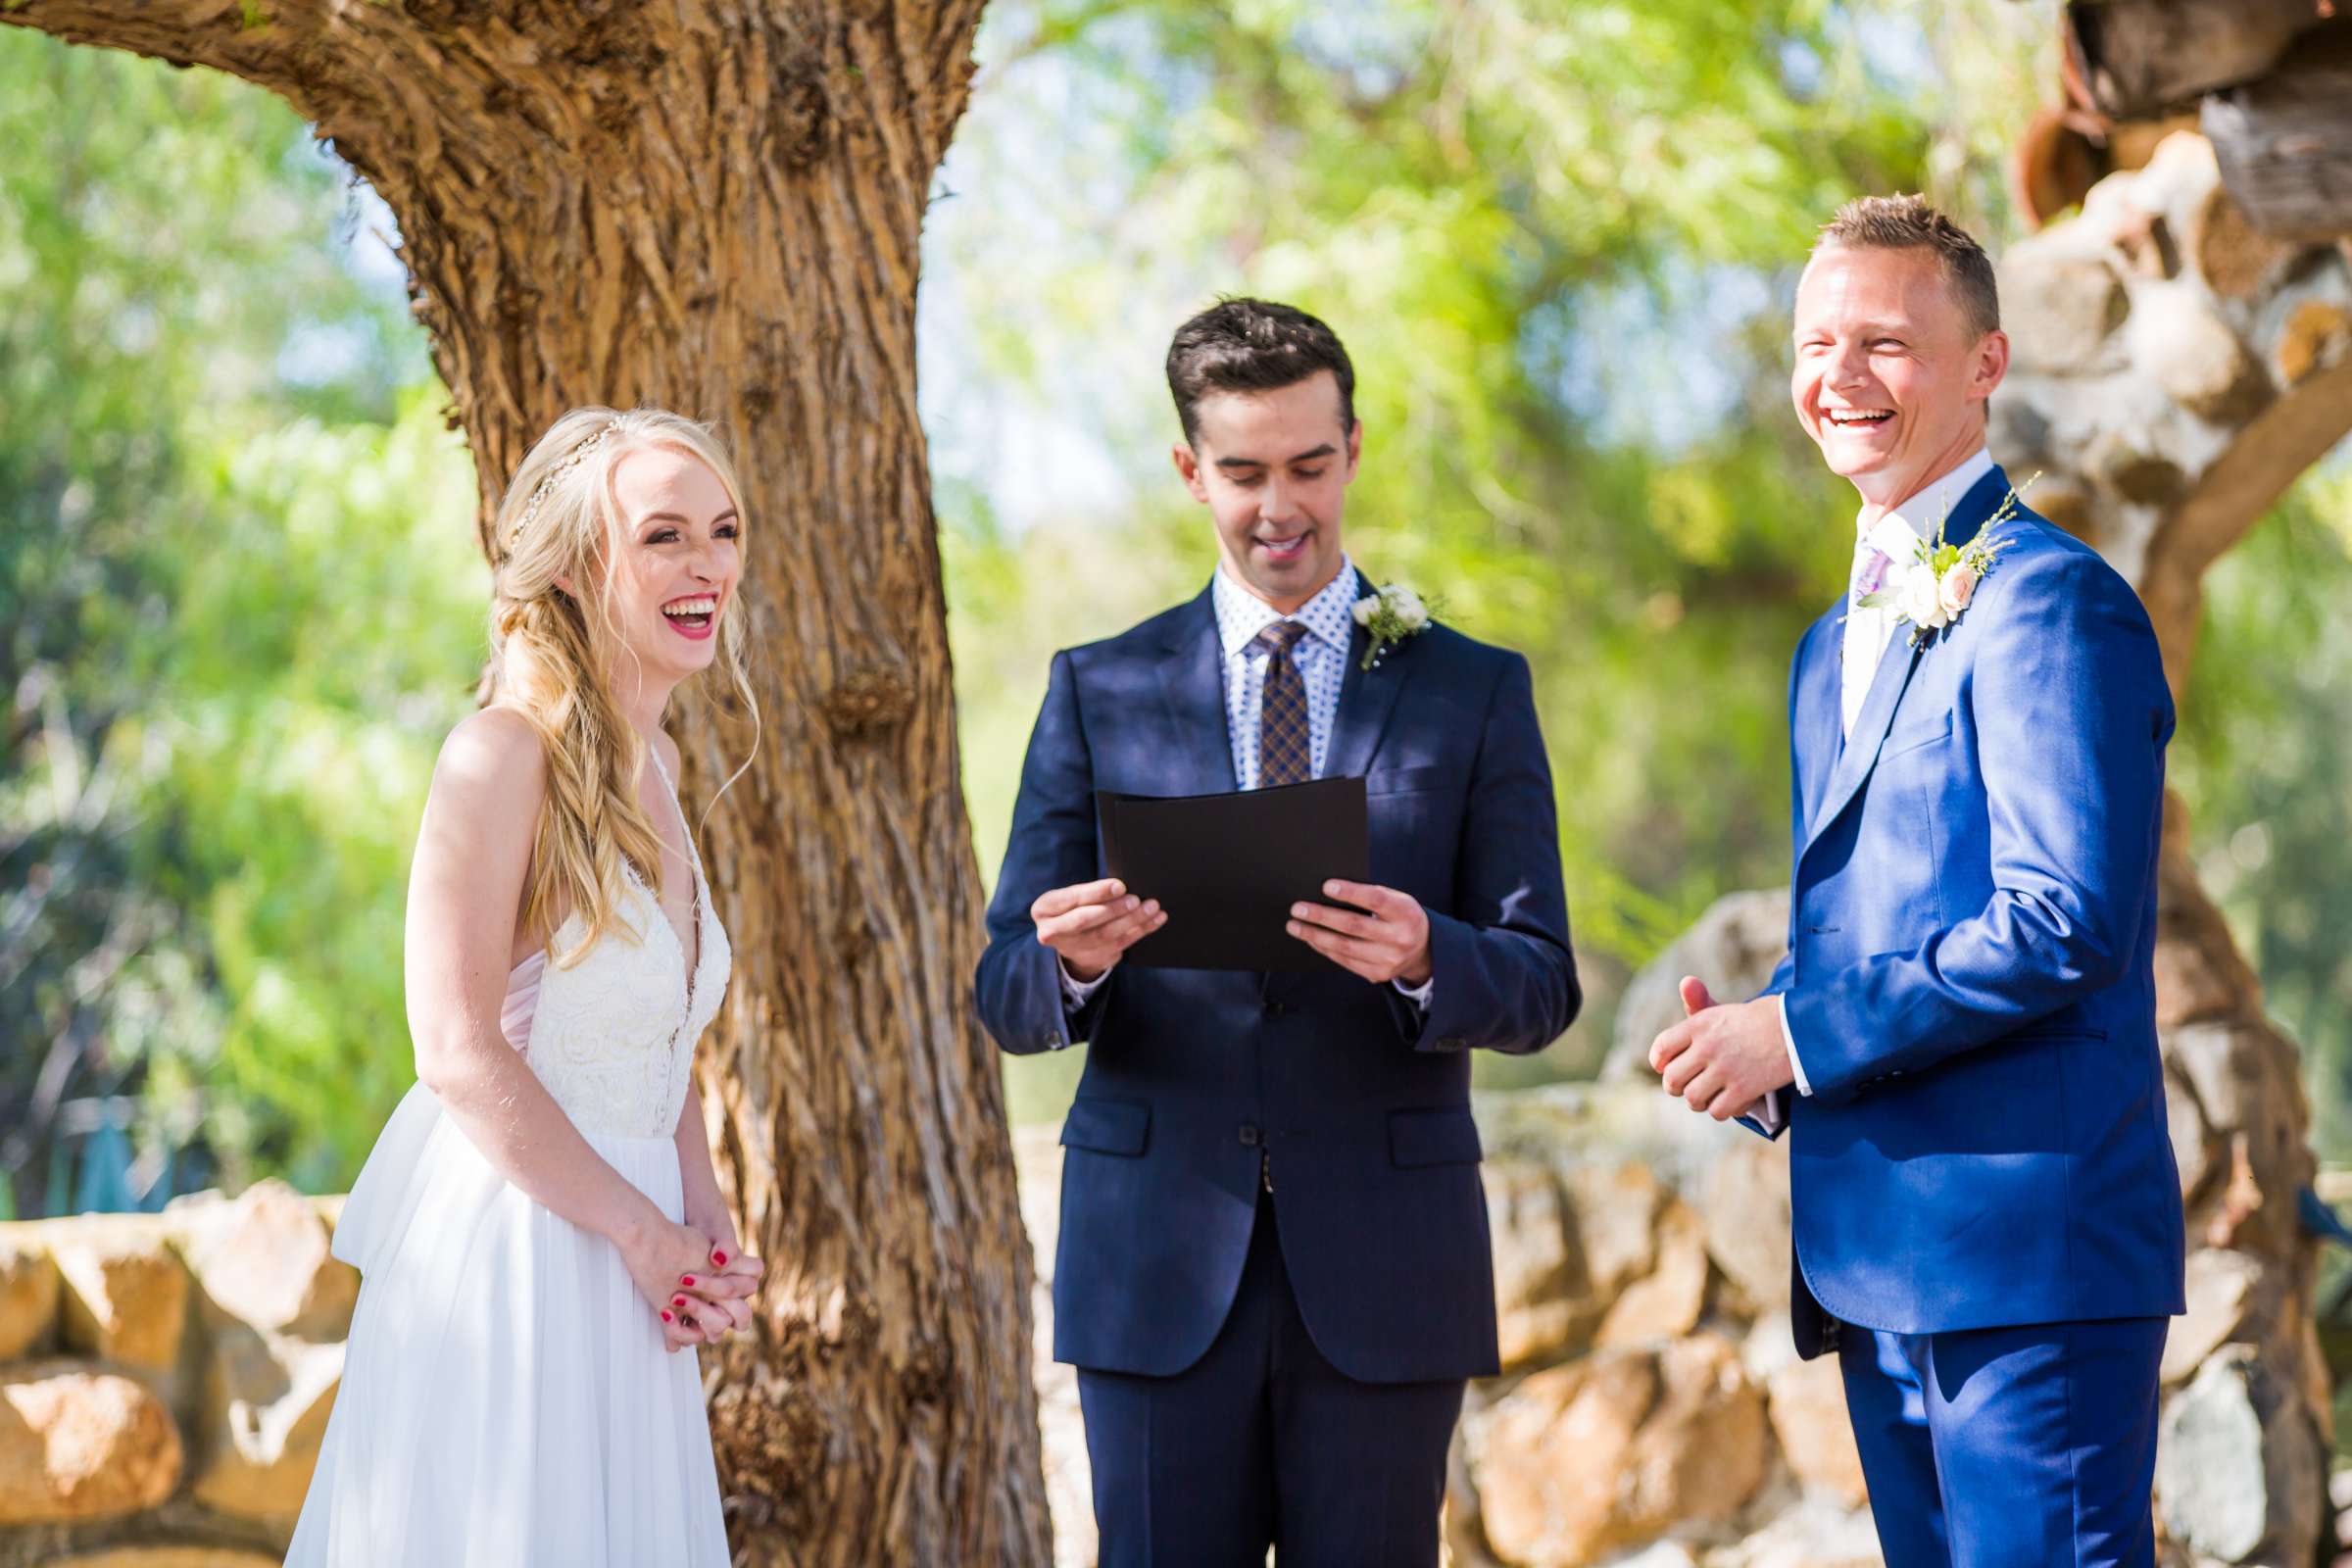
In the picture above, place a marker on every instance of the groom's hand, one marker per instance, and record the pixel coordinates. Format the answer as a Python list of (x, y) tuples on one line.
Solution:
[(1391, 943), (1091, 925), (1722, 1058)]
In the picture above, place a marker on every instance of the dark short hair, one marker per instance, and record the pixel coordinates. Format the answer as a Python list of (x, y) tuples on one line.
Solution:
[(1247, 345), (1909, 223)]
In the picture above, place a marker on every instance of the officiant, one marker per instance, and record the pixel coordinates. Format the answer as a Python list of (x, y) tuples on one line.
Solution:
[(1274, 1273)]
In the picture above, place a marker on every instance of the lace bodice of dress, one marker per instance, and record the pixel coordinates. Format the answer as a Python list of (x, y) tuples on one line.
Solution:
[(612, 1036)]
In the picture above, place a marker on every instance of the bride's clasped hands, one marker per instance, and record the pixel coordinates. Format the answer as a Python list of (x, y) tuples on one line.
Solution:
[(702, 1290)]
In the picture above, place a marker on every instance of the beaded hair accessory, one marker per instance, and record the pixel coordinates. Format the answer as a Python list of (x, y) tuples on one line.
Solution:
[(580, 454)]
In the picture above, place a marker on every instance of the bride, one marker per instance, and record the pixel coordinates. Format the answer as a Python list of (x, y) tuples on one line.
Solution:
[(539, 1230)]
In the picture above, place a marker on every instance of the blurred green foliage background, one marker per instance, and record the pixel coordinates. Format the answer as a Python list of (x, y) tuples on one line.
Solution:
[(241, 599)]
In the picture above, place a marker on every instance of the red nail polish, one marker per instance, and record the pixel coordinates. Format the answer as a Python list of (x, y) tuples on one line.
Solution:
[(721, 1258), (665, 1317), (677, 1301), (688, 1278)]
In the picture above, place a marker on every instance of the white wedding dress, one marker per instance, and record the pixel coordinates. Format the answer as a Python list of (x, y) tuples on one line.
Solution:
[(507, 1395)]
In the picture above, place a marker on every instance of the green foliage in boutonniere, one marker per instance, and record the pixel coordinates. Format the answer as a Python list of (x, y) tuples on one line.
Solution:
[(1390, 616), (1935, 589)]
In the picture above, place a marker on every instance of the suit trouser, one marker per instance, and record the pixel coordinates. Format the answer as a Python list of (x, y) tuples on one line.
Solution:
[(2012, 1447), (1264, 1442)]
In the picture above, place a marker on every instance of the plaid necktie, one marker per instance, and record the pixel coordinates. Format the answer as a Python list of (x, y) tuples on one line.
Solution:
[(1285, 748)]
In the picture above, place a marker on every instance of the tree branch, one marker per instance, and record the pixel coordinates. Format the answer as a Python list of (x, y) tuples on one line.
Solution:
[(260, 40)]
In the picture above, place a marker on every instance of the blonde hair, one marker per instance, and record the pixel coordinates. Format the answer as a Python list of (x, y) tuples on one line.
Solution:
[(1908, 222), (554, 661)]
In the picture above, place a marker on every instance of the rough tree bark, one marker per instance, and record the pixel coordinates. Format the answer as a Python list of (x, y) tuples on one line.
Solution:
[(716, 209), (2174, 373)]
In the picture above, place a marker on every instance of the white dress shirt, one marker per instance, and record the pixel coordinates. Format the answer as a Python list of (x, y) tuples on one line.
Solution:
[(1321, 658), (1896, 534)]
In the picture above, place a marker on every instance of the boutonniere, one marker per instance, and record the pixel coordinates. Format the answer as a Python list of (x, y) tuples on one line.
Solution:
[(1935, 590), (1390, 616)]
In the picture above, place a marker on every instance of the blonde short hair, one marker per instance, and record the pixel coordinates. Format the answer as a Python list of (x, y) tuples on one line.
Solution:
[(1908, 222)]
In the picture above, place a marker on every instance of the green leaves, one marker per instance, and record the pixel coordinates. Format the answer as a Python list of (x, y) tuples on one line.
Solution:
[(238, 581), (1559, 238)]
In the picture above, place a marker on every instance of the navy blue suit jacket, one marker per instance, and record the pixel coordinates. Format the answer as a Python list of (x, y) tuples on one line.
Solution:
[(1360, 1106), (1970, 983)]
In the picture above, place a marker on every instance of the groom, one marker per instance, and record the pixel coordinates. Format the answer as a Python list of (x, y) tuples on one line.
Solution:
[(1961, 1045), (1273, 1273)]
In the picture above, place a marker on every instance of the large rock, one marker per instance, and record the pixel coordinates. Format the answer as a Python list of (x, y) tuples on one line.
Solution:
[(28, 1295), (1807, 1400), (2238, 1465), (2060, 307), (264, 1259), (266, 1406), (1746, 1208), (1535, 1283), (2216, 1058), (1815, 1534), (2234, 259), (79, 1444), (1617, 1210), (2193, 1140), (2224, 1288), (125, 1292), (2316, 337), (2191, 353), (1666, 1303), (1734, 948), (1609, 1452)]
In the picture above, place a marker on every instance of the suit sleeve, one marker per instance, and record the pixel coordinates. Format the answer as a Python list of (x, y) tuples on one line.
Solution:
[(2072, 714), (1505, 979), (1019, 987)]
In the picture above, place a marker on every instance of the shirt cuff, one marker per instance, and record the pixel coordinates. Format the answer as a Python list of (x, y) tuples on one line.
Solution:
[(1796, 1066), (1766, 1113), (1418, 995), (1075, 991)]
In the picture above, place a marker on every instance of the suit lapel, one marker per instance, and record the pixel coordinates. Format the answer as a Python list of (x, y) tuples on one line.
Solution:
[(1896, 667), (1367, 697), (1192, 679), (1861, 751), (1814, 722)]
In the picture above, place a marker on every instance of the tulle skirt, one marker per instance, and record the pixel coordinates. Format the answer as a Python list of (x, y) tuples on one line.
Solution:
[(507, 1397)]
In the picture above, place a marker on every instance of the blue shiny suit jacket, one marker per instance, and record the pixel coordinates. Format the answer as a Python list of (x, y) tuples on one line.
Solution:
[(1360, 1105), (1970, 984)]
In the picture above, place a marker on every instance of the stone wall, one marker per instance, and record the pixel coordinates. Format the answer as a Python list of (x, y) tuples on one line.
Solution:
[(165, 1380)]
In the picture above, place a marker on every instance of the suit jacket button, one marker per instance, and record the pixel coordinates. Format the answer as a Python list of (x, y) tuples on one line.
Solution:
[(1275, 1009), (1053, 1042), (1250, 1135)]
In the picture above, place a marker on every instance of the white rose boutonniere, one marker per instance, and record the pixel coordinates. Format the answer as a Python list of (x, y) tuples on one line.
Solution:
[(1390, 616), (1935, 590)]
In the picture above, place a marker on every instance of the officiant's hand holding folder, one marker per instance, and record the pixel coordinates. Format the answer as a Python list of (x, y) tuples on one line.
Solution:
[(1228, 868)]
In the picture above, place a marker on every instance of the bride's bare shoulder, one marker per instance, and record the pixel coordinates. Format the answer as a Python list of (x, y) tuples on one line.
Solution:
[(493, 763)]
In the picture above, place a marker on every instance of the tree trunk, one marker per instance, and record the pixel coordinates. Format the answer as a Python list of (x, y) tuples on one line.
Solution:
[(2173, 373), (2143, 57), (718, 209)]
